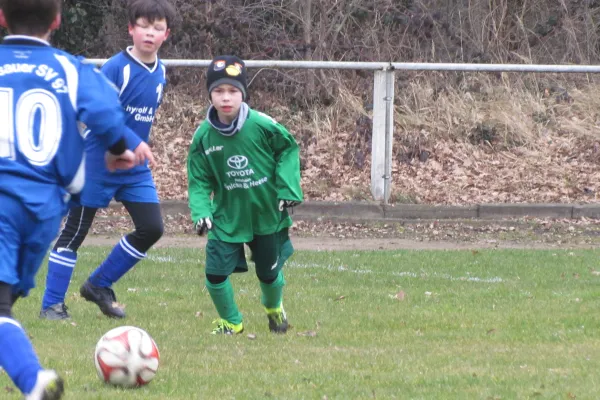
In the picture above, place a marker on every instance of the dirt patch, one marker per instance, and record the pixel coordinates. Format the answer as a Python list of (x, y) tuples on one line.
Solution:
[(377, 235), (337, 244), (339, 234)]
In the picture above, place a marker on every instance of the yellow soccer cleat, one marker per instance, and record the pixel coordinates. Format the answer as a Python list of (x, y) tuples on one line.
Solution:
[(227, 328)]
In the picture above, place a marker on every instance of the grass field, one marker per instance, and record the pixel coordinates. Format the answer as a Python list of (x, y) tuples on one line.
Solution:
[(510, 324)]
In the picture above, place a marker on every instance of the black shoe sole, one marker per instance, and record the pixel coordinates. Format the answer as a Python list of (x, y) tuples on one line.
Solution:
[(56, 392), (283, 328), (43, 316), (88, 296)]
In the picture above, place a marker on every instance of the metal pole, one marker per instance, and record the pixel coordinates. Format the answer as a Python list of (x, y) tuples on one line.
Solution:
[(358, 65), (378, 137), (353, 65), (389, 133)]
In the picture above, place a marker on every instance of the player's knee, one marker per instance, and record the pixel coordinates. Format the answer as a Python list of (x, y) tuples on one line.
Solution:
[(266, 278), (155, 231), (145, 235), (6, 300), (216, 279), (151, 232)]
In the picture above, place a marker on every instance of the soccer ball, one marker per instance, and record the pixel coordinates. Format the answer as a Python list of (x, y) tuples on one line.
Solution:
[(126, 356)]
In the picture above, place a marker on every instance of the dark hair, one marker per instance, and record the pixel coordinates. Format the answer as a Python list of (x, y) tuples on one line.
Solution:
[(151, 10), (30, 17)]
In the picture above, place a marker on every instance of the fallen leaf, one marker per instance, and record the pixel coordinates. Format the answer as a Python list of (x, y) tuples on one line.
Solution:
[(199, 314), (9, 389), (251, 336), (400, 295), (340, 298), (493, 330)]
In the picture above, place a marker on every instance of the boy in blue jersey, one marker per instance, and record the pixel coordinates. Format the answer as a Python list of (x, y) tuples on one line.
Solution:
[(45, 94), (140, 78)]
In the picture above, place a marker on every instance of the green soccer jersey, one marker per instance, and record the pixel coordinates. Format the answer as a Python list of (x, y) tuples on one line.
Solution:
[(238, 180)]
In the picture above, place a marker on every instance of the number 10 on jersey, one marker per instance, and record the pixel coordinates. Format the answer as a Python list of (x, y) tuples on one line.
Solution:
[(31, 104)]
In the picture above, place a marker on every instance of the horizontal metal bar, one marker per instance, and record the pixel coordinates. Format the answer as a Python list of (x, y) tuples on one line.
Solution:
[(495, 67), (276, 64), (385, 66)]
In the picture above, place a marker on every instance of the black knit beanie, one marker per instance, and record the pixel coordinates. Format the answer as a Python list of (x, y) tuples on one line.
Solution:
[(227, 69)]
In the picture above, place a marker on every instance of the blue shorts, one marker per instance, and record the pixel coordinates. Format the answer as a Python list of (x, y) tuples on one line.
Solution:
[(24, 242), (99, 194)]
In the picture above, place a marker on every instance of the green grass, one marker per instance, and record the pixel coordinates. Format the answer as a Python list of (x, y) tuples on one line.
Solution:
[(510, 324)]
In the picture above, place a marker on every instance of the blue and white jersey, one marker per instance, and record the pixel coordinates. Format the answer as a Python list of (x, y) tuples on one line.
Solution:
[(141, 90), (45, 94)]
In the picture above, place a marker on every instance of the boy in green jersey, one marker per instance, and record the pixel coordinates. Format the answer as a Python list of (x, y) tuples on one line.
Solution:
[(243, 173)]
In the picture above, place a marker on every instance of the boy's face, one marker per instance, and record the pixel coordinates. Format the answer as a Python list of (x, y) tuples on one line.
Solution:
[(227, 99), (148, 36)]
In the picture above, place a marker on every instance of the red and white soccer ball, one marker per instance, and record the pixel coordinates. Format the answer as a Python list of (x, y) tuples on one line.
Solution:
[(126, 356)]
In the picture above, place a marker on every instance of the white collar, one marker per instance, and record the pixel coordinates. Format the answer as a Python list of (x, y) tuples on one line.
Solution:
[(143, 64), (25, 37)]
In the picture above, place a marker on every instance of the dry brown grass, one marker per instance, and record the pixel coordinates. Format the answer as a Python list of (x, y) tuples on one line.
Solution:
[(487, 140), (459, 137)]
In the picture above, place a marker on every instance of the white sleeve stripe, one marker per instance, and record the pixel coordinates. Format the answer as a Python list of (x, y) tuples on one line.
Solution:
[(6, 320), (126, 76), (76, 185), (57, 261), (72, 77), (132, 251)]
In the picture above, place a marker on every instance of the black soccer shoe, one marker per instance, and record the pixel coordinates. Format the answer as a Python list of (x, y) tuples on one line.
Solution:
[(55, 312), (278, 322), (104, 297)]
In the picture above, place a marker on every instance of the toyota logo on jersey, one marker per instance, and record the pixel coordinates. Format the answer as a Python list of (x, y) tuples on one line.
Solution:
[(237, 162)]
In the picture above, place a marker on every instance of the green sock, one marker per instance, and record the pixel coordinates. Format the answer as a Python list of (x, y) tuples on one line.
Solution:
[(222, 297), (272, 293)]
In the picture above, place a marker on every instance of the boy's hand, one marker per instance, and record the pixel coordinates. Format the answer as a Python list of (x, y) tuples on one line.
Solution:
[(126, 160), (203, 226), (143, 153), (287, 204)]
